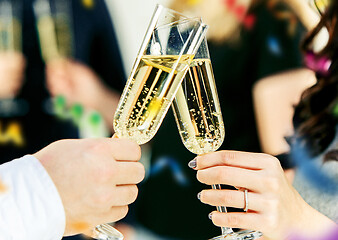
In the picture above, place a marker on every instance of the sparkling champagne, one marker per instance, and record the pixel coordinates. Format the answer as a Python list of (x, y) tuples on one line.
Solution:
[(148, 95), (197, 110)]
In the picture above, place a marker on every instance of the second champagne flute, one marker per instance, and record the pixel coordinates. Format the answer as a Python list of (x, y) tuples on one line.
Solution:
[(199, 119), (168, 48)]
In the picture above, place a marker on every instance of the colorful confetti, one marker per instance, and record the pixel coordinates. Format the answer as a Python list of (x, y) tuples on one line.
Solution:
[(274, 45), (240, 11), (319, 64), (249, 21)]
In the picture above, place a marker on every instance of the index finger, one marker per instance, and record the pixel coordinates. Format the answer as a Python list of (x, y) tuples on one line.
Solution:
[(125, 150), (254, 161)]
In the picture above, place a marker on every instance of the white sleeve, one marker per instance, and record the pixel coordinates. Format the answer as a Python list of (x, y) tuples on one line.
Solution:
[(30, 205)]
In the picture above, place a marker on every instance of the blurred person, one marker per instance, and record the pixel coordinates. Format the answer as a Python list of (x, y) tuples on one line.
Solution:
[(97, 61), (68, 187), (12, 67), (81, 85), (95, 54), (307, 209), (92, 83), (274, 90), (273, 126)]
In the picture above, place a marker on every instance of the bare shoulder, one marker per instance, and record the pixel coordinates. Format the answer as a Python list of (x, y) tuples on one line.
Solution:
[(294, 80)]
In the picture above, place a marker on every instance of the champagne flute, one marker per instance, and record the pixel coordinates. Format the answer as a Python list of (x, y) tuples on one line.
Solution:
[(55, 32), (168, 48), (10, 42), (199, 120), (54, 25)]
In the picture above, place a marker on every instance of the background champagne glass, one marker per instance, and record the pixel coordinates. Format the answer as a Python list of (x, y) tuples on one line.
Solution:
[(199, 120), (54, 25), (10, 42), (168, 48), (56, 37)]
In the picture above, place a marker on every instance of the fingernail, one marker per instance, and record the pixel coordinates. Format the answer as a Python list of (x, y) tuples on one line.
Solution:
[(210, 216), (199, 196), (193, 163)]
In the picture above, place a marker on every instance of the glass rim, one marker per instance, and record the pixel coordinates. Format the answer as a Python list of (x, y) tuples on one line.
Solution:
[(158, 5), (182, 21)]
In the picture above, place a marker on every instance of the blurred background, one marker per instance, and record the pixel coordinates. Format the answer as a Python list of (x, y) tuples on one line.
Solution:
[(63, 66), (131, 19)]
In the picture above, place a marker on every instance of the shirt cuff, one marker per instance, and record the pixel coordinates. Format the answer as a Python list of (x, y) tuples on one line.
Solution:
[(34, 205)]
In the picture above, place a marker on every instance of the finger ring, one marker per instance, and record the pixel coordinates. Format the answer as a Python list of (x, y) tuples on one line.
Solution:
[(246, 201)]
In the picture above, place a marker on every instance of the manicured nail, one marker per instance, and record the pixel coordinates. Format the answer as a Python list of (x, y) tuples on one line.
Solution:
[(210, 216), (193, 163), (199, 196)]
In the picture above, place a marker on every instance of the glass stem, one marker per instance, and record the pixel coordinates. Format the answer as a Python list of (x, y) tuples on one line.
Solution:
[(222, 209), (106, 232)]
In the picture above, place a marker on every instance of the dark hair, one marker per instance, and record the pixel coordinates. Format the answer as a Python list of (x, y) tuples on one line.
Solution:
[(315, 119)]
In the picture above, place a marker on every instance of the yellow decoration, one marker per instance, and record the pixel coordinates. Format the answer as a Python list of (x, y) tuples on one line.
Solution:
[(193, 2), (322, 5), (13, 134), (88, 3)]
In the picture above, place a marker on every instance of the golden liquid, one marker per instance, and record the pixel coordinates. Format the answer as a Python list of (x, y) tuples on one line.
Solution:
[(197, 110), (148, 95), (64, 36), (55, 37)]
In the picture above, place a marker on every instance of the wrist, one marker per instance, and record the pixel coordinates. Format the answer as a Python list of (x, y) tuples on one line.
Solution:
[(312, 224)]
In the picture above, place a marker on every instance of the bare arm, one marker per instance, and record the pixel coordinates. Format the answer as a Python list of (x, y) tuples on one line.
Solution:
[(309, 18), (305, 13)]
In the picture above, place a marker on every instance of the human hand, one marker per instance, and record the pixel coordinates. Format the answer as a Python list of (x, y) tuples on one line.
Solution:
[(79, 84), (96, 179), (12, 66), (275, 207)]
